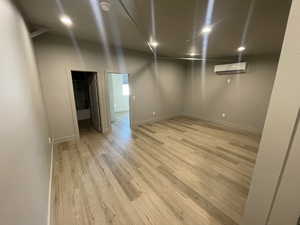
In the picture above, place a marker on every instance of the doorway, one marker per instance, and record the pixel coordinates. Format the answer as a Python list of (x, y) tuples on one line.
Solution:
[(86, 96), (119, 99)]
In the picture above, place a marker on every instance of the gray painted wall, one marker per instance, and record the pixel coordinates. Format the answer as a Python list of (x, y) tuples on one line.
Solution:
[(176, 89), (57, 56), (24, 148), (244, 100), (278, 130)]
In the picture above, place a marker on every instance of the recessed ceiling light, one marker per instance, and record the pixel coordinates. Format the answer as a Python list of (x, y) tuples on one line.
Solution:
[(206, 29), (191, 58), (66, 20), (192, 54), (153, 44), (241, 49), (105, 5)]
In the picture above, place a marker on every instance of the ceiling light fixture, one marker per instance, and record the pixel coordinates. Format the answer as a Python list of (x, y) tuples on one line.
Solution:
[(241, 49), (66, 20), (153, 44), (191, 59), (206, 30), (192, 54), (105, 5)]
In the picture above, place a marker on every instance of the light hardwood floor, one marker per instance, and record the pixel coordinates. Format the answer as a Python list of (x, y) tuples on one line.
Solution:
[(179, 171)]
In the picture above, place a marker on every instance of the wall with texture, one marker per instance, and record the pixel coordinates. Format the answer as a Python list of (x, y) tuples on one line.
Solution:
[(243, 98), (159, 92)]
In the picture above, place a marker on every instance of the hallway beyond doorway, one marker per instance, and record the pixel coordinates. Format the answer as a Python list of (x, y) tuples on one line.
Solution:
[(119, 99), (122, 119)]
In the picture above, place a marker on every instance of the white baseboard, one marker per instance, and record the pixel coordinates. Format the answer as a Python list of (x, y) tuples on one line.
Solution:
[(244, 129), (152, 120), (105, 130), (63, 139), (50, 185), (122, 111)]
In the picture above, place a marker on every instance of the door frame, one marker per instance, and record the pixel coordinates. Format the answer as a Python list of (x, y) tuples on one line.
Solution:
[(98, 103), (131, 114), (73, 104)]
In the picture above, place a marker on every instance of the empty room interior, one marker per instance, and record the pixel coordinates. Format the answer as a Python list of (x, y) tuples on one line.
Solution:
[(149, 112)]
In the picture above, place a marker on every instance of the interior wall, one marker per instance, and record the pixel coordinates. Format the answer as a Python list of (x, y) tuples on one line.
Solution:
[(121, 102), (24, 148), (277, 137), (57, 56), (243, 98)]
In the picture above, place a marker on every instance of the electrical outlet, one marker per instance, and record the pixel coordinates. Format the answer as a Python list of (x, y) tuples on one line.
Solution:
[(224, 115)]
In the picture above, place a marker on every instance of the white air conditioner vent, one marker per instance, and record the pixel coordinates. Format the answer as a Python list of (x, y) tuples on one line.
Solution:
[(234, 68)]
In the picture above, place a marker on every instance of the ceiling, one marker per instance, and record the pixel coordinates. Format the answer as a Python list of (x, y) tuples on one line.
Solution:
[(177, 24)]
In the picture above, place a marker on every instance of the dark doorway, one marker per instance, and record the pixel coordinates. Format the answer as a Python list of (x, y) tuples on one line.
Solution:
[(85, 86)]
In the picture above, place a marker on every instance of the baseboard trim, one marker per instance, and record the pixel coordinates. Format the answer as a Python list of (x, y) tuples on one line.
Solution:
[(153, 120), (105, 130), (224, 124), (63, 139), (50, 185)]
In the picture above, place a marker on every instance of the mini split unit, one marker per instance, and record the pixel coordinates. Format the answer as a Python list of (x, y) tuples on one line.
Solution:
[(234, 68)]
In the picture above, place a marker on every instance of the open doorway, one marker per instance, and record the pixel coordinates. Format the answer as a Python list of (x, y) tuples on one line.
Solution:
[(119, 100), (85, 86)]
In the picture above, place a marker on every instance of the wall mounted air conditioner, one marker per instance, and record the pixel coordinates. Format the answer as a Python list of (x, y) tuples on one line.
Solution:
[(234, 68)]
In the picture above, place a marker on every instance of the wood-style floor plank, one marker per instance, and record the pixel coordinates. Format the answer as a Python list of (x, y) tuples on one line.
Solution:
[(180, 171)]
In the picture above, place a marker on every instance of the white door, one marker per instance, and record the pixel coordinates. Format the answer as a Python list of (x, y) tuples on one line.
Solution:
[(286, 208), (94, 102)]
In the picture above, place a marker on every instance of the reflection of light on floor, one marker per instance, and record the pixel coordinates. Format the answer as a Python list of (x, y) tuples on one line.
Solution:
[(71, 34), (123, 123), (101, 30)]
